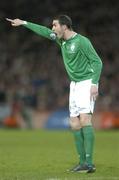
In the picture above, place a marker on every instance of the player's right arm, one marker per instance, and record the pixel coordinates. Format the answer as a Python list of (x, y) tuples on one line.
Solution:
[(38, 29)]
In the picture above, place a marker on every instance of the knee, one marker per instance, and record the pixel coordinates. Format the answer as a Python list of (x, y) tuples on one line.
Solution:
[(75, 123), (85, 120)]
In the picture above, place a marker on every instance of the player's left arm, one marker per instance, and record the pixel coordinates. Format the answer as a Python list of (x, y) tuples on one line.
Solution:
[(95, 62), (96, 67)]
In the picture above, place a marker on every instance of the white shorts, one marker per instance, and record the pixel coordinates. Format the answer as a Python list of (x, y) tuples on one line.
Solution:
[(79, 98)]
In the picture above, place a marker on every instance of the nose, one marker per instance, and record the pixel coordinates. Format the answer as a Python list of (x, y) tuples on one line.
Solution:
[(53, 28)]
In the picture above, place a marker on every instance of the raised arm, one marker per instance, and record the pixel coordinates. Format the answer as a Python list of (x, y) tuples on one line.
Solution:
[(38, 29)]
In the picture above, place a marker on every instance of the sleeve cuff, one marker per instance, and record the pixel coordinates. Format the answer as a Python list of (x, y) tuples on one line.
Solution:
[(94, 84), (24, 22)]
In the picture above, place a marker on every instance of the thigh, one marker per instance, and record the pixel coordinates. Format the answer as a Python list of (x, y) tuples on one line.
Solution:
[(72, 100), (79, 98), (83, 100), (83, 94)]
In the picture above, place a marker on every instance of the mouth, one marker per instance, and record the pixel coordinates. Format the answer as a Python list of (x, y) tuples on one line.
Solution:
[(55, 33)]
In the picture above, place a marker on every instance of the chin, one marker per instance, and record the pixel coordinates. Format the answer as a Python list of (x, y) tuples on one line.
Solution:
[(60, 37)]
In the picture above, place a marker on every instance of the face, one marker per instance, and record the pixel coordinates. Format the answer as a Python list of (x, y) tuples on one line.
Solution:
[(58, 29)]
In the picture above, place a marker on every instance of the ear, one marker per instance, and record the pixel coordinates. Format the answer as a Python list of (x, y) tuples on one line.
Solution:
[(64, 27)]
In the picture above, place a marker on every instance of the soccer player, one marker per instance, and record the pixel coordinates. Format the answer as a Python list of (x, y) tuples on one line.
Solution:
[(83, 66)]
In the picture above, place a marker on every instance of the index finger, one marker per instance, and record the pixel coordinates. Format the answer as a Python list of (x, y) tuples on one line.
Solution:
[(11, 20)]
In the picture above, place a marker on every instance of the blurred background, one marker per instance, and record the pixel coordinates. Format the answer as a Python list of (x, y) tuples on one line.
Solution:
[(34, 86)]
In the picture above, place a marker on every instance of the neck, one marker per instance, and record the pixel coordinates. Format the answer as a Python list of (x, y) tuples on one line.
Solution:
[(69, 34)]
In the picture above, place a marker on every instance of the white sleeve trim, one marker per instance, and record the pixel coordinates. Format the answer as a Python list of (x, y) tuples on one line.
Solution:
[(94, 84), (24, 22)]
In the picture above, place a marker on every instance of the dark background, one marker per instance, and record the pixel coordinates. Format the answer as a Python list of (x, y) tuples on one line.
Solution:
[(31, 67)]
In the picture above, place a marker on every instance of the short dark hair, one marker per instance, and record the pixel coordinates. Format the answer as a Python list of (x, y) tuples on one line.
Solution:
[(64, 20)]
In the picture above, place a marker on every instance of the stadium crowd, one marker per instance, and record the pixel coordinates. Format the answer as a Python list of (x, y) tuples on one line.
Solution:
[(31, 67)]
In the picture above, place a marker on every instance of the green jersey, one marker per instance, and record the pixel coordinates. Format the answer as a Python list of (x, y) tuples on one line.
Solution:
[(80, 58)]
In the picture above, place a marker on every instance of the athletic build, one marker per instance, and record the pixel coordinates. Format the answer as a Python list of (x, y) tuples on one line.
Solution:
[(83, 66)]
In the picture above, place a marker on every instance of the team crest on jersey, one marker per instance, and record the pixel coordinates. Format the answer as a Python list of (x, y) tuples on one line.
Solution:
[(64, 43), (72, 47)]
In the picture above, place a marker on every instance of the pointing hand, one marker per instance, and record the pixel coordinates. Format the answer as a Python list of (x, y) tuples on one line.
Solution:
[(15, 22)]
